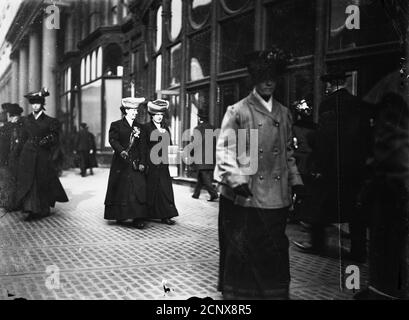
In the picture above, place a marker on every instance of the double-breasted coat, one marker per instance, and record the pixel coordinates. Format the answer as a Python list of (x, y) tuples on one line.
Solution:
[(38, 186), (160, 197), (126, 192), (273, 170)]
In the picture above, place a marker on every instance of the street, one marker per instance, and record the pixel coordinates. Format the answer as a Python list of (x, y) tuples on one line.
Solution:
[(76, 254)]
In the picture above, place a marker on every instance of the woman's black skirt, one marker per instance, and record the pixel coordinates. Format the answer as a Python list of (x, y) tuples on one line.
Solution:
[(254, 258)]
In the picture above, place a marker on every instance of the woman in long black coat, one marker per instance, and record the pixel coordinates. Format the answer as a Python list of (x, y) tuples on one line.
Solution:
[(38, 186), (126, 194), (160, 199)]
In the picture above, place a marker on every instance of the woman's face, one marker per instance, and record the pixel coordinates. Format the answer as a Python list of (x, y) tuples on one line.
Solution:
[(157, 118), (37, 107), (131, 113)]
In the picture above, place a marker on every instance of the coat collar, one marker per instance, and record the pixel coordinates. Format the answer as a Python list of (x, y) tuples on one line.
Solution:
[(275, 112), (41, 117)]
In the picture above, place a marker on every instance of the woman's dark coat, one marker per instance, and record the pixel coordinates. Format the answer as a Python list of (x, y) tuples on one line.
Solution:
[(159, 182), (35, 163), (122, 175)]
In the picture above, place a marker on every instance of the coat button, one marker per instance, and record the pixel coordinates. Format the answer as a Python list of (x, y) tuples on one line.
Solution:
[(260, 124), (278, 178), (260, 150), (261, 177), (276, 123), (276, 151)]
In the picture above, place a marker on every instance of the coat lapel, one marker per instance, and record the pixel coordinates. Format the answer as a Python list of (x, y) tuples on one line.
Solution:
[(275, 112)]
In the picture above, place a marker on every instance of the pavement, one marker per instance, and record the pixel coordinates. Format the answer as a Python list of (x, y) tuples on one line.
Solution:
[(76, 254)]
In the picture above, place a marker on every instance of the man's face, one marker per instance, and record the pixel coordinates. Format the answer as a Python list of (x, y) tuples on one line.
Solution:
[(266, 88), (37, 107)]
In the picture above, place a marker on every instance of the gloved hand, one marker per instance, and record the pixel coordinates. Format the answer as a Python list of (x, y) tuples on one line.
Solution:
[(141, 167), (124, 155), (243, 190)]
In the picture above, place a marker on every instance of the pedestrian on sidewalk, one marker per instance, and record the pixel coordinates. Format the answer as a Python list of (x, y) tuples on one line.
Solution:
[(14, 135), (256, 191), (85, 148), (161, 200), (205, 170), (38, 186), (126, 193), (6, 178)]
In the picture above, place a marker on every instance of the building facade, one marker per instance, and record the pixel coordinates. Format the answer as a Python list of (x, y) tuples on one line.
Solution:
[(192, 51), (188, 51)]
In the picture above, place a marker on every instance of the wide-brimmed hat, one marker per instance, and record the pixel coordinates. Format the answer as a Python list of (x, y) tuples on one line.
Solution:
[(158, 106), (37, 96), (12, 108), (132, 102), (267, 65)]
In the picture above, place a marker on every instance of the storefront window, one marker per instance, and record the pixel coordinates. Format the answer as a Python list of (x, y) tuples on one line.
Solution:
[(374, 25), (237, 39), (199, 12), (158, 42), (158, 80), (113, 96), (199, 53), (176, 20), (175, 64), (112, 60), (99, 62), (94, 65), (291, 26), (91, 108)]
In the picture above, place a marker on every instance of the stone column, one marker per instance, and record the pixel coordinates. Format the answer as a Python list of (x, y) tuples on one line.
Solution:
[(34, 61), (49, 65), (23, 78), (14, 78)]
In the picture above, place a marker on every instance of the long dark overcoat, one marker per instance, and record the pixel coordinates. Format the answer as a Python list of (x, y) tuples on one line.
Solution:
[(122, 175), (35, 161), (340, 147), (84, 142), (160, 195)]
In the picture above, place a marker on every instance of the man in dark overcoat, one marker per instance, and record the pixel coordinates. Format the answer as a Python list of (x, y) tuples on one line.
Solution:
[(38, 186), (340, 148), (205, 168), (86, 148)]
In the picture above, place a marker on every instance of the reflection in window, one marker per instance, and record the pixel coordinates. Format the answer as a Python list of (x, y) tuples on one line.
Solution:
[(200, 11), (295, 18), (199, 53), (235, 5), (175, 64), (237, 39), (198, 100), (91, 108), (158, 82), (375, 25), (158, 42), (176, 22)]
